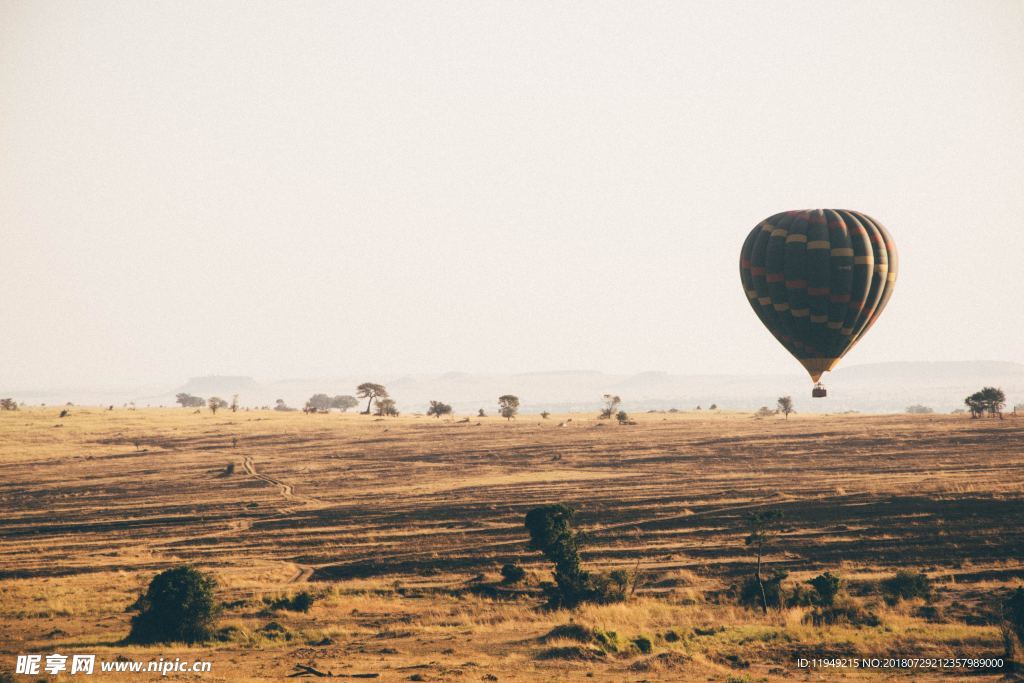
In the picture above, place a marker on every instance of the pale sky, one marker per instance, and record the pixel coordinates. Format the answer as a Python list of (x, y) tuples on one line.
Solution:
[(284, 188)]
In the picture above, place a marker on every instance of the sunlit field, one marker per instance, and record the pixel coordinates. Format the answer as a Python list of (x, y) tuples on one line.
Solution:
[(399, 527)]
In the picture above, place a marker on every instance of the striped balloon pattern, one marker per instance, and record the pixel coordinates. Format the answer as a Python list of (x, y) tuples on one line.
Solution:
[(818, 279)]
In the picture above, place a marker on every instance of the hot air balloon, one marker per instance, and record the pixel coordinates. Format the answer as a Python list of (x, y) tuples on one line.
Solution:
[(818, 279)]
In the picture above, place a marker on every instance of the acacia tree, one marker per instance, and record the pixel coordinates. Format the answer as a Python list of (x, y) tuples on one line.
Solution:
[(989, 399), (785, 404), (370, 391), (611, 406), (508, 406), (8, 404), (215, 403), (762, 526), (189, 401), (343, 403), (234, 403), (437, 409)]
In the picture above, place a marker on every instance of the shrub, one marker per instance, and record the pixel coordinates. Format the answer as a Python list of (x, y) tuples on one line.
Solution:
[(843, 610), (1013, 612), (179, 606), (918, 409), (552, 533), (300, 602), (512, 573), (906, 585), (826, 586), (750, 592), (643, 644)]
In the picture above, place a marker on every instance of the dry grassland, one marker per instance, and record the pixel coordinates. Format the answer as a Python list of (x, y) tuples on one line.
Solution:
[(399, 526)]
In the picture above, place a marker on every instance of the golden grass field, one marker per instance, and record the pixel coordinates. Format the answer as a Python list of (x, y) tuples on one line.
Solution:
[(391, 523)]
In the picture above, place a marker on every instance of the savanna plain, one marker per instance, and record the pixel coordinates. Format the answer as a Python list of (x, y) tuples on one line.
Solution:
[(398, 529)]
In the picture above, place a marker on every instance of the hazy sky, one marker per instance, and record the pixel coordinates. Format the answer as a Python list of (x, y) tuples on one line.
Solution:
[(278, 189)]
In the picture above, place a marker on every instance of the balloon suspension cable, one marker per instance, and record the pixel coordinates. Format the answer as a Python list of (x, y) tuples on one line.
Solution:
[(819, 391)]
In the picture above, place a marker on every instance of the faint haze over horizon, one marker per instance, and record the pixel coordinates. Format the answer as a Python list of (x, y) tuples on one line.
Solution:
[(293, 189)]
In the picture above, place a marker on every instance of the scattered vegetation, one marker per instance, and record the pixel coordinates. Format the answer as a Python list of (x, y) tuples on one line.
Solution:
[(179, 606), (764, 411), (281, 406), (215, 403)]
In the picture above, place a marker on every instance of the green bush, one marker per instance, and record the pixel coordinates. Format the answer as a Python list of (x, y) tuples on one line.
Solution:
[(179, 606), (512, 573), (1013, 612), (826, 586), (843, 610), (750, 591), (643, 644), (300, 602), (906, 585)]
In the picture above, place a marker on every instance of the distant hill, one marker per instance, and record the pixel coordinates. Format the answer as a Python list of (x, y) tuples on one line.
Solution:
[(218, 385), (879, 387)]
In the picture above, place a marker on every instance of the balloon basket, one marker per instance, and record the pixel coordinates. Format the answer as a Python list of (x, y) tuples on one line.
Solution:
[(818, 391)]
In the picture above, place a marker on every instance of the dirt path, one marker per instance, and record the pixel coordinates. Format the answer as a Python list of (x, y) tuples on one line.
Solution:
[(303, 572), (287, 491)]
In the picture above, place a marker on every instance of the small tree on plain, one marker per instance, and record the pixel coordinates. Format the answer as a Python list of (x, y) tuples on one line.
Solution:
[(343, 403), (481, 413), (216, 403), (190, 401), (281, 406), (386, 407), (552, 533), (989, 400), (370, 391), (918, 409), (318, 403), (8, 404), (508, 406), (785, 404), (234, 403), (762, 526), (437, 409), (179, 606), (611, 406), (622, 417)]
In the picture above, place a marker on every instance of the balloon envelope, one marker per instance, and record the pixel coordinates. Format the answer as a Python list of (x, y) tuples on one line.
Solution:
[(818, 279)]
